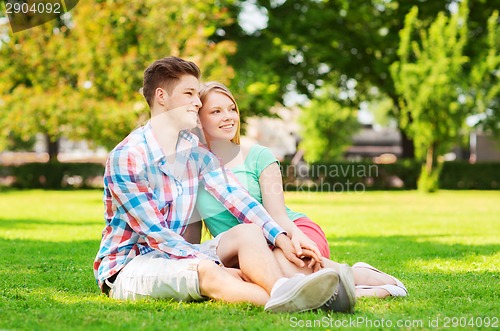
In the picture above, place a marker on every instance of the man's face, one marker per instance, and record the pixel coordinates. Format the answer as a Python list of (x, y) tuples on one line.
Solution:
[(183, 102)]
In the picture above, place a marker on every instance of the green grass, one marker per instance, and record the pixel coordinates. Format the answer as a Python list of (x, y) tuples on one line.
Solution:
[(445, 247)]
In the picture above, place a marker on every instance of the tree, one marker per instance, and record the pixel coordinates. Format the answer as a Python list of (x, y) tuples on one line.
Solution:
[(307, 44), (433, 84), (327, 127), (80, 76), (38, 83)]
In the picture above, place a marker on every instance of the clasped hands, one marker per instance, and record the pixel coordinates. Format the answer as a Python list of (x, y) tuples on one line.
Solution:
[(300, 250)]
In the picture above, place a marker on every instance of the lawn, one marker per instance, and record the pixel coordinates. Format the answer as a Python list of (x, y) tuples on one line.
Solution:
[(445, 247)]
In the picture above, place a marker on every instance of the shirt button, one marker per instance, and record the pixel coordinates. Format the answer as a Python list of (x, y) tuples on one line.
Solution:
[(179, 187)]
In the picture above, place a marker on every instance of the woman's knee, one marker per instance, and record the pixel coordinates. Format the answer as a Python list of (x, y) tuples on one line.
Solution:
[(247, 232)]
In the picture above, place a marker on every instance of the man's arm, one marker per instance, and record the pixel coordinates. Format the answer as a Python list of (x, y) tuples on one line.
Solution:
[(134, 201)]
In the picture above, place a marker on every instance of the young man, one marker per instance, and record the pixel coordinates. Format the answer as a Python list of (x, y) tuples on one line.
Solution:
[(150, 186)]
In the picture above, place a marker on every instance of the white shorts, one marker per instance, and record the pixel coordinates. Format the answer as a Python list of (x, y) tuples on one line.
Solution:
[(153, 275), (209, 247)]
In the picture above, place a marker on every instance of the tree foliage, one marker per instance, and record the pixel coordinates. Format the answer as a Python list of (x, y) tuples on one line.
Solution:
[(327, 127), (80, 76), (484, 89)]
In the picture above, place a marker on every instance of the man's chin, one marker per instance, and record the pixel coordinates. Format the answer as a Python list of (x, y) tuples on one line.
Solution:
[(190, 126)]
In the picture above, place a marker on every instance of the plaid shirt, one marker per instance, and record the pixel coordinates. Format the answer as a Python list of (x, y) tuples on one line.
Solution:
[(149, 202)]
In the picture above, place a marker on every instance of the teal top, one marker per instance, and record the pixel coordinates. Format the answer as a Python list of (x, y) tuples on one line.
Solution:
[(217, 218)]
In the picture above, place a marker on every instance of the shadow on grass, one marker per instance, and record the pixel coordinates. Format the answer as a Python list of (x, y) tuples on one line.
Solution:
[(13, 224), (63, 266), (67, 266)]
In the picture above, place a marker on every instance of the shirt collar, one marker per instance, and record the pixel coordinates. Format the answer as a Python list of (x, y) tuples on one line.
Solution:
[(186, 141), (153, 145)]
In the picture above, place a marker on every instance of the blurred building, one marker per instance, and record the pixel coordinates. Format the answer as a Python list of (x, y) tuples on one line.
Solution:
[(484, 148), (371, 142), (280, 134)]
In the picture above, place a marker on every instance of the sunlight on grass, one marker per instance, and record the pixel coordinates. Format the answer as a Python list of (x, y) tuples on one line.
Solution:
[(470, 262), (50, 215)]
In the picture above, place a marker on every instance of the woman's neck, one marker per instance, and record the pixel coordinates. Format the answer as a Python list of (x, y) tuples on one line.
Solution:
[(227, 151)]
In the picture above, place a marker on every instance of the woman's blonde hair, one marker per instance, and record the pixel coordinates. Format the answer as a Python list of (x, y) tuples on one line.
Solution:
[(221, 88)]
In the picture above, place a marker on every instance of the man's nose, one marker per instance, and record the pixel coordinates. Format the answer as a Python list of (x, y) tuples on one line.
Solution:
[(197, 102)]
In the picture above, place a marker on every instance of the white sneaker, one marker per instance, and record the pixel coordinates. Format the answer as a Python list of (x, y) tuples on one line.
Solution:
[(301, 293)]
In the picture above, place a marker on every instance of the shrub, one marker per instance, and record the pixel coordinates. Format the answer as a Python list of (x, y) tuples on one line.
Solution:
[(460, 175), (403, 174), (53, 175)]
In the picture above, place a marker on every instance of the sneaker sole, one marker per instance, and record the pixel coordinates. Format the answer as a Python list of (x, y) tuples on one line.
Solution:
[(346, 276), (307, 295)]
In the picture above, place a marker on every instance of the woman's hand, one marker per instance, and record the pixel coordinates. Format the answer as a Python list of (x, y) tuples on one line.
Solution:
[(307, 255)]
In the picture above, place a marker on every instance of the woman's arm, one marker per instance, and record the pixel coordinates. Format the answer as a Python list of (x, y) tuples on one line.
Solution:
[(273, 199)]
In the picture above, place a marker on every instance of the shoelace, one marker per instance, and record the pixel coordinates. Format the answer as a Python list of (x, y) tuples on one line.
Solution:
[(332, 299)]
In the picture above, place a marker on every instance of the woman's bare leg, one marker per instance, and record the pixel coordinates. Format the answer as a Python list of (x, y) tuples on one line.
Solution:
[(362, 276), (245, 246)]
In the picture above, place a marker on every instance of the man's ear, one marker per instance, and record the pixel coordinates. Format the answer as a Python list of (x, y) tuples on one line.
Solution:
[(160, 96)]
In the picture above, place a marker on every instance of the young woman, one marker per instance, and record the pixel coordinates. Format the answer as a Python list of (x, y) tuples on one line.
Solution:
[(258, 170)]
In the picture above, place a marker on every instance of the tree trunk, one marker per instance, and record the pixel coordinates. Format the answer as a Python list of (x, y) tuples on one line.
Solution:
[(429, 160), (407, 146), (429, 175), (52, 148)]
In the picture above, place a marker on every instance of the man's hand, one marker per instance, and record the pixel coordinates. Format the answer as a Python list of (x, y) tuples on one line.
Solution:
[(301, 242), (285, 244)]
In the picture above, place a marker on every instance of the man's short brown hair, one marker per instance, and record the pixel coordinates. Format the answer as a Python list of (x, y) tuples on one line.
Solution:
[(165, 73)]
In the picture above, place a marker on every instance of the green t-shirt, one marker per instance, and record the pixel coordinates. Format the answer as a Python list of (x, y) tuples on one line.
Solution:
[(217, 218)]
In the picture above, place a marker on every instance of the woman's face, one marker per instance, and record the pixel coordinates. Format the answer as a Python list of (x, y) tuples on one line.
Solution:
[(218, 116)]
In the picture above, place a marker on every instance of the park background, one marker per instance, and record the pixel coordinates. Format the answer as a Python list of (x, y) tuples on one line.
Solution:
[(408, 88)]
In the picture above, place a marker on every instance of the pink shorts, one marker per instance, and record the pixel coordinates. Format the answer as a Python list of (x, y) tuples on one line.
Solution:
[(314, 232)]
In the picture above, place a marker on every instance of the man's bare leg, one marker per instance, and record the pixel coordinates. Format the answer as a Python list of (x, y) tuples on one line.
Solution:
[(218, 283)]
